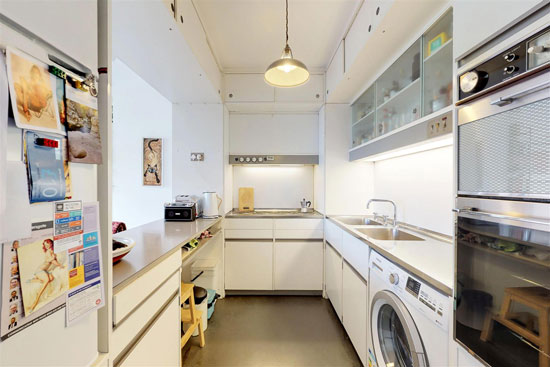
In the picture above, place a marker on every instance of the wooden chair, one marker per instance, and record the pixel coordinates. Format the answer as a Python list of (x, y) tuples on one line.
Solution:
[(536, 298), (190, 316)]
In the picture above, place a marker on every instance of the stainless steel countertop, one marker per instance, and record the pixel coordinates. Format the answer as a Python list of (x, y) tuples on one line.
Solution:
[(155, 241), (432, 260), (274, 213)]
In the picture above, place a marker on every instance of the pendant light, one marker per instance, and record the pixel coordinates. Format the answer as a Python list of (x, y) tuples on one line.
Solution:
[(287, 71)]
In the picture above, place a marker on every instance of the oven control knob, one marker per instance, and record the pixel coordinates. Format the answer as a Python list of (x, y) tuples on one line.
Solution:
[(260, 159), (510, 57), (247, 159), (471, 82), (510, 69), (253, 159), (241, 159), (394, 278)]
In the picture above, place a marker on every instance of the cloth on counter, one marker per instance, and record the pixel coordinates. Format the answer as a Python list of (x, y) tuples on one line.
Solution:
[(119, 227)]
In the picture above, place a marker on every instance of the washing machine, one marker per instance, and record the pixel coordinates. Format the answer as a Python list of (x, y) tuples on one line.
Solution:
[(408, 319)]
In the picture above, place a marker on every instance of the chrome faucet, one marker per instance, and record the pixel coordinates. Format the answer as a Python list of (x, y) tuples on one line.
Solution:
[(386, 201)]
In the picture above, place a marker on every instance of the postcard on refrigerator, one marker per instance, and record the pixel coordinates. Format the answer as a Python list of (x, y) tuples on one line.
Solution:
[(33, 93), (82, 126)]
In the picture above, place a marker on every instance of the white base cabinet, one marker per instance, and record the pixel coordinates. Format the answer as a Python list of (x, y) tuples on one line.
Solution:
[(160, 345), (354, 302), (249, 265), (333, 279), (298, 265)]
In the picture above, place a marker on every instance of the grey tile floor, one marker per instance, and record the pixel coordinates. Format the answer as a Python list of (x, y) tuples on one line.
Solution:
[(274, 331)]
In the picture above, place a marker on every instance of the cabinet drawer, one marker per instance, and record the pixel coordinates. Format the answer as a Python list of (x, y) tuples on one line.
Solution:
[(356, 253), (236, 223), (298, 265), (333, 235), (160, 345), (241, 234), (299, 234), (299, 224), (249, 265), (137, 291), (126, 331)]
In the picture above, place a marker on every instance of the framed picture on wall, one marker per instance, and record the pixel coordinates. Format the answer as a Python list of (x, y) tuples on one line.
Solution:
[(152, 161)]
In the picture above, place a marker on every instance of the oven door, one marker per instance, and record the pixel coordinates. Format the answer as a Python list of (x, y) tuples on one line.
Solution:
[(502, 286), (503, 142)]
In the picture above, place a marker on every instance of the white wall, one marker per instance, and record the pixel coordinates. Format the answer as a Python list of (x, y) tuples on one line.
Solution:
[(198, 128), (227, 168), (281, 133), (319, 170), (421, 185), (274, 186), (139, 111), (348, 184)]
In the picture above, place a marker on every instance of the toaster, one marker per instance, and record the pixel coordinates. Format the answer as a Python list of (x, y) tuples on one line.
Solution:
[(183, 212)]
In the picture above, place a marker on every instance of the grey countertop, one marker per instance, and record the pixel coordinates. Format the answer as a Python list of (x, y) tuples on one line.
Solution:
[(274, 213), (431, 260), (155, 241)]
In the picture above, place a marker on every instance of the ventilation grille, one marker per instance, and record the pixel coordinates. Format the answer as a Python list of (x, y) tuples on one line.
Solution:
[(507, 153)]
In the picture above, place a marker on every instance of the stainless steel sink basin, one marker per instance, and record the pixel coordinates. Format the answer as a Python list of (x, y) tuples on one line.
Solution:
[(386, 234), (358, 221)]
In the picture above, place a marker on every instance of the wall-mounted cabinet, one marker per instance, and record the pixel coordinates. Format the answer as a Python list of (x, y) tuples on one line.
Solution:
[(335, 71), (417, 84)]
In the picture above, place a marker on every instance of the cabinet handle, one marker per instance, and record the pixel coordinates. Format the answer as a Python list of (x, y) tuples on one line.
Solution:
[(172, 7)]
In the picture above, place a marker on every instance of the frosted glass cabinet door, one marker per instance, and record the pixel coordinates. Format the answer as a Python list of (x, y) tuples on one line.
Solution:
[(438, 64), (160, 346)]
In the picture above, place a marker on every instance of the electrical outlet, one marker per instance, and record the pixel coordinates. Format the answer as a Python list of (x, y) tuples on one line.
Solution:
[(197, 157), (439, 127)]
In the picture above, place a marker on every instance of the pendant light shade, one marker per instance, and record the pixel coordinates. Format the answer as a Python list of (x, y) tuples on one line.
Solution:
[(287, 71)]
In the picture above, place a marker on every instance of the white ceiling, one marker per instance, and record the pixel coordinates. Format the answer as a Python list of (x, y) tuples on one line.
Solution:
[(247, 35)]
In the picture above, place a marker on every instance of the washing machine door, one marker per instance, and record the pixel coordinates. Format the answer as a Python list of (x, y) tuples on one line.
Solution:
[(395, 338)]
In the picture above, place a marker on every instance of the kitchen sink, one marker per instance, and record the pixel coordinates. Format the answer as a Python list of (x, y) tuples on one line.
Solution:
[(388, 234), (358, 221)]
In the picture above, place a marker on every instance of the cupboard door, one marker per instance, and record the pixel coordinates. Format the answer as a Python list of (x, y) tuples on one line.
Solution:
[(333, 235), (335, 71), (312, 91), (356, 253), (248, 88), (160, 345), (298, 265), (249, 265), (354, 301), (358, 34), (333, 279)]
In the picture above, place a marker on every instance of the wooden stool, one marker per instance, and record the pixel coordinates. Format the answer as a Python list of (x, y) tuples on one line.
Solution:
[(190, 316), (538, 299)]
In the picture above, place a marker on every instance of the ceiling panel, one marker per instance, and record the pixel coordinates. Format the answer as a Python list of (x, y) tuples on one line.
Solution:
[(247, 35)]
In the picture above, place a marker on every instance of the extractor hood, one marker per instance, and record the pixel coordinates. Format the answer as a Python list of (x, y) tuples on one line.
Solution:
[(266, 159)]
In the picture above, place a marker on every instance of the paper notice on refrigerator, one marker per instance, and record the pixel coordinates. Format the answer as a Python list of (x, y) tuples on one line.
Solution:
[(68, 226), (21, 278), (86, 292)]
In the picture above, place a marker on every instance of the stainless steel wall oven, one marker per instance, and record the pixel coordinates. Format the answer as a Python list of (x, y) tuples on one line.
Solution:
[(502, 285)]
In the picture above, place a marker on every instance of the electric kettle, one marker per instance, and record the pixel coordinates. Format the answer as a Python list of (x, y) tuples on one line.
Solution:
[(211, 205)]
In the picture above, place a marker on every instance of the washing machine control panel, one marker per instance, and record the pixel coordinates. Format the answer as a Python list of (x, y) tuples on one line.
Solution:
[(432, 303)]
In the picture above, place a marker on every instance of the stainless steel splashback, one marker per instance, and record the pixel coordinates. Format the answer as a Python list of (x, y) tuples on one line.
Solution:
[(504, 148)]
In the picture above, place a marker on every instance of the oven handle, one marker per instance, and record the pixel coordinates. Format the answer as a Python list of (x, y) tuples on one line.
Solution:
[(471, 211), (503, 101)]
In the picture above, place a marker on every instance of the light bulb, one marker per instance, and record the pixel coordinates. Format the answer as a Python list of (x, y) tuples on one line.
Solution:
[(287, 68)]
